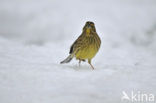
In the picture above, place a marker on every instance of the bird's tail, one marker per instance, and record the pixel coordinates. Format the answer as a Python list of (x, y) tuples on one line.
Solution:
[(67, 60)]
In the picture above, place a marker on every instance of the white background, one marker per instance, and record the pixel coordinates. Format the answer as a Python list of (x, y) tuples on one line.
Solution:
[(36, 35)]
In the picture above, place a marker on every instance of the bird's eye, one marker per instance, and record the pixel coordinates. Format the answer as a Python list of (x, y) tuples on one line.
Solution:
[(92, 24)]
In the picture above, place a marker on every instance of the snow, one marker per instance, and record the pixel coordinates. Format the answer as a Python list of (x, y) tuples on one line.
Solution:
[(36, 35)]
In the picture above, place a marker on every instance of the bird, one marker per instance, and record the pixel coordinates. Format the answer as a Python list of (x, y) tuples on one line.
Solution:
[(86, 45)]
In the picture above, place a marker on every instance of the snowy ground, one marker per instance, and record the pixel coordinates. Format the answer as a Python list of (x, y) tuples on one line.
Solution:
[(36, 35)]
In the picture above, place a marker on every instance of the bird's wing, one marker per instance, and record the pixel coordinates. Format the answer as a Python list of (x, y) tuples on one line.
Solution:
[(78, 40)]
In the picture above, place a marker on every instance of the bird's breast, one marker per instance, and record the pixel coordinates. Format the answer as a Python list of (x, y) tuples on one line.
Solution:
[(88, 50)]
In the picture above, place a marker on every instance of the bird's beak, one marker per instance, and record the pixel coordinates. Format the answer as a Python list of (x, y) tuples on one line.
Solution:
[(88, 26)]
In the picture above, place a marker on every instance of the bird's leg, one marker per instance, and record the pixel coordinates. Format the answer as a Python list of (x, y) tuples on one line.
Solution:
[(92, 66), (79, 62), (89, 61)]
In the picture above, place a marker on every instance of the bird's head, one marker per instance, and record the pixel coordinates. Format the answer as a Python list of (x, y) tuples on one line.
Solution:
[(89, 27)]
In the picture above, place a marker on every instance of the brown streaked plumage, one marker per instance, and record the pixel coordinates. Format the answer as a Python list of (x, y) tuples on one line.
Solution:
[(86, 46)]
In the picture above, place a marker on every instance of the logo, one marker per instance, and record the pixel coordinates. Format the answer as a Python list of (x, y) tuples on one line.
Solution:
[(137, 96)]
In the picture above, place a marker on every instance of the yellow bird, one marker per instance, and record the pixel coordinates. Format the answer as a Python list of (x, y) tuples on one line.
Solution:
[(86, 46)]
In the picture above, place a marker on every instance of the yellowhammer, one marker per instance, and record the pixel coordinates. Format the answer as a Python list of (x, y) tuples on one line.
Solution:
[(86, 46)]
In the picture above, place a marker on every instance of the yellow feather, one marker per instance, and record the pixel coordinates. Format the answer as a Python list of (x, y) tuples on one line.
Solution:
[(88, 31)]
